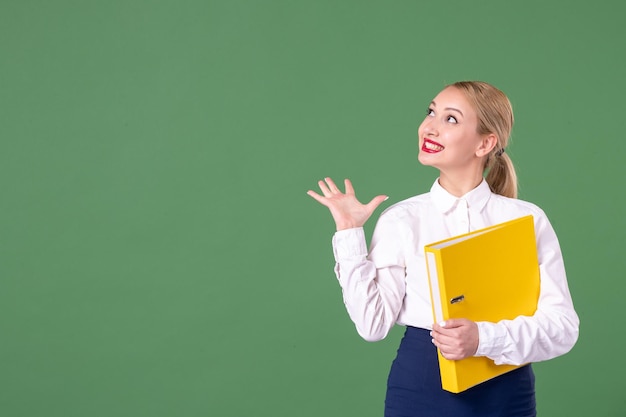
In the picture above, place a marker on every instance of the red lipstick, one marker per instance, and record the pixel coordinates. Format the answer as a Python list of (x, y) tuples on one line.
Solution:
[(430, 146)]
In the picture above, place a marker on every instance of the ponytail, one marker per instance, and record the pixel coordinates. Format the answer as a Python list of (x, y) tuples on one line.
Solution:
[(501, 175)]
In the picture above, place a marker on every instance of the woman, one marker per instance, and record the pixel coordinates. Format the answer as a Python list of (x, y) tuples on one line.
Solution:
[(464, 136)]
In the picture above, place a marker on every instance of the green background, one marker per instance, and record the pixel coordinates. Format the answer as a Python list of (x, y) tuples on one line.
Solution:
[(159, 254)]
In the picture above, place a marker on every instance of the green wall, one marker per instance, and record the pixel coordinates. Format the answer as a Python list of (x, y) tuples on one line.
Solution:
[(159, 255)]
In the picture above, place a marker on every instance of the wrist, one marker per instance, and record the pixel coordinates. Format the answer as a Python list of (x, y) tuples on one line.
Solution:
[(345, 226)]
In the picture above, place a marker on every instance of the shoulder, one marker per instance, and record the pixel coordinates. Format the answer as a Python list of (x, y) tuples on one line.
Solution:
[(514, 207)]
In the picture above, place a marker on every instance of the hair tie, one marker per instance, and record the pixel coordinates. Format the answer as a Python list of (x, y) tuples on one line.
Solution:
[(500, 152)]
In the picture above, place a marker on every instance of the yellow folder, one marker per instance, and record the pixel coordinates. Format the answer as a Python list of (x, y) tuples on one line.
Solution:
[(490, 274)]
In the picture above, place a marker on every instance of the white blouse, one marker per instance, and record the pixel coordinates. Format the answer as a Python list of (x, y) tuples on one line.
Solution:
[(390, 285)]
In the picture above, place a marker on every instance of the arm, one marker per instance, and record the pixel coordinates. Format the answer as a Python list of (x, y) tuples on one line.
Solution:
[(373, 286), (372, 291)]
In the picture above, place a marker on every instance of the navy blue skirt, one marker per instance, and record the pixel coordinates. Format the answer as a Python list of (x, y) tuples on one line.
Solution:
[(414, 387)]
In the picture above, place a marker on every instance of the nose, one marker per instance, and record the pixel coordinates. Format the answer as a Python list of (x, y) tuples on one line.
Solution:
[(429, 127)]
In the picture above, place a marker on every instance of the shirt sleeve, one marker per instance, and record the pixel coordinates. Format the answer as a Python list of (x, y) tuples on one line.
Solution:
[(373, 285), (553, 329)]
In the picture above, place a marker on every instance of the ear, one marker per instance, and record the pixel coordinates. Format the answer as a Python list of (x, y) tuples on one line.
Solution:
[(486, 145)]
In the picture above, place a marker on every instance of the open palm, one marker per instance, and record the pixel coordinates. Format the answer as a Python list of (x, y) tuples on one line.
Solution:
[(346, 210)]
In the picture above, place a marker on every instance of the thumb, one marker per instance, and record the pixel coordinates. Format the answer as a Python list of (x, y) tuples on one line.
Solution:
[(452, 323), (376, 201)]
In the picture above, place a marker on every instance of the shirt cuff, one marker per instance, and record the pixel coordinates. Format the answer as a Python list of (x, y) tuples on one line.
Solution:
[(349, 245), (491, 340)]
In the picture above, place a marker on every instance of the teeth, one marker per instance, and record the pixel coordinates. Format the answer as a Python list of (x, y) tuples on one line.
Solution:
[(431, 146)]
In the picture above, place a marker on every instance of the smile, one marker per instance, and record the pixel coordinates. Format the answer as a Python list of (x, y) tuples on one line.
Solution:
[(431, 147)]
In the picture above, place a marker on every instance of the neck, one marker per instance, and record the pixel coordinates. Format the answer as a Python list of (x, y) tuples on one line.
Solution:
[(460, 184)]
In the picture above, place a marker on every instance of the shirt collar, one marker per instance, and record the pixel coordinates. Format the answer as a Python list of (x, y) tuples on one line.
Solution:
[(476, 198)]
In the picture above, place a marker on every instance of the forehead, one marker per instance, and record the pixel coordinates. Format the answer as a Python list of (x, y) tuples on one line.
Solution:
[(452, 97)]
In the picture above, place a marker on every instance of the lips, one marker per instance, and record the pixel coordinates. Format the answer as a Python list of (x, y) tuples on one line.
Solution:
[(431, 147)]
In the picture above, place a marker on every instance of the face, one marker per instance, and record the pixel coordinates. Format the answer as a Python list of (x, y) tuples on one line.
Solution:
[(448, 136)]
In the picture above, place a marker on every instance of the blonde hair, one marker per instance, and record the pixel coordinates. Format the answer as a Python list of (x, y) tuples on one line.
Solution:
[(495, 116)]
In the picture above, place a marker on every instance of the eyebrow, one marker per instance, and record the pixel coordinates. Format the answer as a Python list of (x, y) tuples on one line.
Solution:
[(447, 108)]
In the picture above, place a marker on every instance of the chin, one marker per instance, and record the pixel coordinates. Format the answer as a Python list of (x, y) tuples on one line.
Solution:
[(424, 159)]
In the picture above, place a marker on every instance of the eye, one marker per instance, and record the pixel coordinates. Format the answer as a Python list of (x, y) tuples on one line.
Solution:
[(430, 112), (452, 119)]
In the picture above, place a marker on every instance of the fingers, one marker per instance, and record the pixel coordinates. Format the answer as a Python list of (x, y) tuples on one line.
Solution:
[(454, 323), (325, 190), (348, 184), (456, 338), (331, 185), (329, 189), (450, 324), (449, 347), (317, 197), (376, 201)]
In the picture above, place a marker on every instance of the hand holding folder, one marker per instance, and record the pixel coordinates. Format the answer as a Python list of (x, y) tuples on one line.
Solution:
[(491, 274), (456, 338)]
